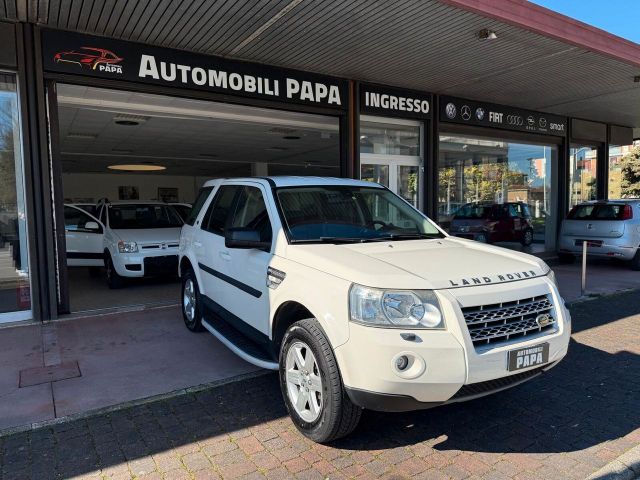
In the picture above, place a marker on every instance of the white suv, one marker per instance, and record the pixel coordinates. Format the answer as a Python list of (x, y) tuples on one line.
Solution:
[(360, 301), (140, 239)]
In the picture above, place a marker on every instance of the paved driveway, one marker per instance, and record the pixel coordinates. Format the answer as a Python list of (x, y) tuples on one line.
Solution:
[(566, 424)]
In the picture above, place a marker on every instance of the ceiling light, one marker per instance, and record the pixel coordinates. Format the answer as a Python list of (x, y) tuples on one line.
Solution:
[(137, 168), (82, 136), (486, 34), (129, 120)]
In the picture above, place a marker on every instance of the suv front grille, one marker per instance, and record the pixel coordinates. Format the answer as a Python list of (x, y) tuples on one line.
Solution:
[(501, 322)]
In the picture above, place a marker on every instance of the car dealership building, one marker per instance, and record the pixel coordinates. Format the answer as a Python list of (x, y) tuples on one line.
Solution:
[(446, 102)]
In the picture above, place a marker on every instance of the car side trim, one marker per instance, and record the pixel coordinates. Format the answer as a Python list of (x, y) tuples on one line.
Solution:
[(231, 281)]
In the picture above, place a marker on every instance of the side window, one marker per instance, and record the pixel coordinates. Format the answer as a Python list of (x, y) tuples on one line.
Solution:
[(219, 211), (197, 205), (251, 213), (76, 220), (513, 211)]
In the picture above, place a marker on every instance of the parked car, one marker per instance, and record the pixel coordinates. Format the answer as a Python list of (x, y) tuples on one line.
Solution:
[(360, 301), (493, 222), (140, 239), (183, 209), (611, 229), (88, 57), (84, 238)]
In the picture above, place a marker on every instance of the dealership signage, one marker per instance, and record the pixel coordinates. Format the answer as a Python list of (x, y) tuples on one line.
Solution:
[(72, 53), (468, 112), (390, 101)]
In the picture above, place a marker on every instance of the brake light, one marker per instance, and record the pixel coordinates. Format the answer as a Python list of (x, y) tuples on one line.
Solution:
[(627, 213)]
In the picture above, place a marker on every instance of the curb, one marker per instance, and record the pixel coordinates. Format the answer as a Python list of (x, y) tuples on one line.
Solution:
[(132, 403), (625, 467)]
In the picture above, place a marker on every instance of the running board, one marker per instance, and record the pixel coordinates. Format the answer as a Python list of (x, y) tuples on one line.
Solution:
[(235, 342)]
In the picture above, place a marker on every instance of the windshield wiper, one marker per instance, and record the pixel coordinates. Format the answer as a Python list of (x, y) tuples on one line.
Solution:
[(333, 240), (406, 236)]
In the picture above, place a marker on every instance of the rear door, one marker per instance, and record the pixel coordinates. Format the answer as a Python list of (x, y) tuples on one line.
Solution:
[(597, 220), (83, 235)]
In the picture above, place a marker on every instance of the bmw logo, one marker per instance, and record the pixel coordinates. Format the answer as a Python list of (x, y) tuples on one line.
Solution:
[(480, 113), (451, 111)]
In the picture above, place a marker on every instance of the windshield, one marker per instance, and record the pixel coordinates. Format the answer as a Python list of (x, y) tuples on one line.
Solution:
[(350, 214), (143, 216), (472, 210)]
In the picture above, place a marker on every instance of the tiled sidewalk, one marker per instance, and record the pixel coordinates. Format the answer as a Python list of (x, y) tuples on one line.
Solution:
[(566, 424)]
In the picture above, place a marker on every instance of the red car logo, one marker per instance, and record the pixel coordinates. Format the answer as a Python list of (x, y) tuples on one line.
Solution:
[(90, 57)]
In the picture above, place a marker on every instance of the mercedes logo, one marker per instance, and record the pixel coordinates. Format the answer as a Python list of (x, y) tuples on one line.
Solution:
[(451, 111), (480, 113), (465, 112)]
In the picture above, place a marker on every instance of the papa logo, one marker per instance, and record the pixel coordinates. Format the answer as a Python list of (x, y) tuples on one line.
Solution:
[(91, 58)]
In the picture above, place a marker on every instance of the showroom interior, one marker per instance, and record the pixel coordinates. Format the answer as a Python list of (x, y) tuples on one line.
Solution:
[(74, 136)]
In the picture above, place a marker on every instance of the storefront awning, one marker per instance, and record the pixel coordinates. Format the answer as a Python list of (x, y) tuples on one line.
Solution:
[(540, 60)]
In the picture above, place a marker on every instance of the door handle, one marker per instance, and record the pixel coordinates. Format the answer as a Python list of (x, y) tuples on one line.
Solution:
[(225, 256), (197, 244)]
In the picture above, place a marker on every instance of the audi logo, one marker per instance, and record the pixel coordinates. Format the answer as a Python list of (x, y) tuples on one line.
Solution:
[(516, 120)]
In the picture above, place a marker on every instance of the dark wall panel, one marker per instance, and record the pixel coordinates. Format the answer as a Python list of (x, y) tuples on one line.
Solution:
[(8, 42)]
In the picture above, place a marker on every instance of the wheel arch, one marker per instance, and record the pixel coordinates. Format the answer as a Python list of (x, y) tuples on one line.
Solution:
[(286, 315)]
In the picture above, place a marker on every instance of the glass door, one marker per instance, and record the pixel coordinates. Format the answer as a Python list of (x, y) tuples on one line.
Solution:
[(583, 169), (391, 154)]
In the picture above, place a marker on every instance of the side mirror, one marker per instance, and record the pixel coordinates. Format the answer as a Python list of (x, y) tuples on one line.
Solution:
[(244, 238), (92, 226)]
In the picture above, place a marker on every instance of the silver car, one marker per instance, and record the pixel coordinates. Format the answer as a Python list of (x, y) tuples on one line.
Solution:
[(611, 229)]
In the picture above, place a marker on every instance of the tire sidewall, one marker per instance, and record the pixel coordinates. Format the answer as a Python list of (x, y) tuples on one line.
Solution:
[(526, 242), (317, 428)]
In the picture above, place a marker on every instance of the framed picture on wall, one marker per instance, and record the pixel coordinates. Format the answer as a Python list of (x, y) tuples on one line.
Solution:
[(128, 193), (168, 194)]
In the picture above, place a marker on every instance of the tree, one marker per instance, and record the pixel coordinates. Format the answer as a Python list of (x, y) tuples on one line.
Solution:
[(630, 164)]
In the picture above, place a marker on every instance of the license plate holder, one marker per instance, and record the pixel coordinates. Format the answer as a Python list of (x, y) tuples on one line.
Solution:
[(526, 357)]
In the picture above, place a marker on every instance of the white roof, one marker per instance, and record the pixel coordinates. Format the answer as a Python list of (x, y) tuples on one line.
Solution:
[(297, 181)]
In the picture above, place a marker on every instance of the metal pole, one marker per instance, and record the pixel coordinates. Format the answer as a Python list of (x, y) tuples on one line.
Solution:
[(584, 268)]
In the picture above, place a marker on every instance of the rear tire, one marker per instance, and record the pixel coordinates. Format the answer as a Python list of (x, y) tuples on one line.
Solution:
[(114, 280), (566, 258), (309, 374), (635, 261), (191, 302)]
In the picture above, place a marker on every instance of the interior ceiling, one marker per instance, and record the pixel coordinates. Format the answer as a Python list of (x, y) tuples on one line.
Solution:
[(189, 137), (421, 44)]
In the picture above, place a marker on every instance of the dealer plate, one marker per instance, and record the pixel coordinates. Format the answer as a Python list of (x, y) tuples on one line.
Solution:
[(528, 357)]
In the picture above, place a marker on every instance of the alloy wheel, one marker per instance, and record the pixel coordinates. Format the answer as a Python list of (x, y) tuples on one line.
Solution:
[(189, 300), (304, 382)]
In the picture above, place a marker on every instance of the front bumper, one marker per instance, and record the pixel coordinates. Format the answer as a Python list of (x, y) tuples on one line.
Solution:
[(611, 247), (454, 370), (164, 262)]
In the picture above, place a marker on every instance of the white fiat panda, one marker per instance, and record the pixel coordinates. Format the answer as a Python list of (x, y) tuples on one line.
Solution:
[(360, 301)]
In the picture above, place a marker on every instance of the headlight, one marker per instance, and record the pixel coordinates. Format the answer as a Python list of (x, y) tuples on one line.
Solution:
[(127, 247), (552, 277), (394, 308)]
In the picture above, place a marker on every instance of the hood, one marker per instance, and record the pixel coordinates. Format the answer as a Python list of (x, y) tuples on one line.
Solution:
[(149, 235), (420, 264)]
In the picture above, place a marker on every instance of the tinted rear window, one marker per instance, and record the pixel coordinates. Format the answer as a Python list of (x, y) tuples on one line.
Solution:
[(597, 212)]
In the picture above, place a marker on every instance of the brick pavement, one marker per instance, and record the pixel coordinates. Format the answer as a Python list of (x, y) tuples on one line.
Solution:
[(567, 424)]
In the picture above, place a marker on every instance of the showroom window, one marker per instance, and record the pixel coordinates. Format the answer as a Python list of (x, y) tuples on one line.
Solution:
[(583, 174), (624, 171), (15, 297), (498, 191), (391, 154)]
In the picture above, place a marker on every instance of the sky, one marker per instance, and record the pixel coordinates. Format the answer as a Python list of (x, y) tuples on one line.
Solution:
[(620, 17)]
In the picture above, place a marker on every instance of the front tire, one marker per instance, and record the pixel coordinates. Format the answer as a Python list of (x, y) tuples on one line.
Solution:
[(114, 280), (527, 237), (312, 386), (191, 302), (635, 261)]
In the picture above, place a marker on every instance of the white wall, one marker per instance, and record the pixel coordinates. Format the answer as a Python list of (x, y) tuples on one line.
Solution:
[(95, 186)]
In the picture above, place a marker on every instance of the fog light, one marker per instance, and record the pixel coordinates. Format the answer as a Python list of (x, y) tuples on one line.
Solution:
[(402, 362)]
